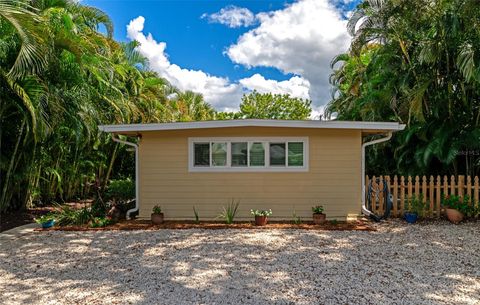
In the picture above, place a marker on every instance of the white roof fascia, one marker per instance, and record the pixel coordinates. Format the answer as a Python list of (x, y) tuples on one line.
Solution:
[(373, 126)]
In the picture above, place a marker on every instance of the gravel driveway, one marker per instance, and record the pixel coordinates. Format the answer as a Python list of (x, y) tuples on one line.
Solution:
[(399, 264)]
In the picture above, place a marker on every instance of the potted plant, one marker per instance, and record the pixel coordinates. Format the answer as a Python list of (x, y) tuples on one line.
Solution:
[(157, 215), (47, 221), (414, 208), (318, 215), (455, 207), (261, 216)]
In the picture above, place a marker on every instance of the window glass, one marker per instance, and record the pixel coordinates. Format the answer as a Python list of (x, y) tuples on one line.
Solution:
[(257, 154), (295, 153), (201, 154), (239, 153), (219, 154), (277, 154)]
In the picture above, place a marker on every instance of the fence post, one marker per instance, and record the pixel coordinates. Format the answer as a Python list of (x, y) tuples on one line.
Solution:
[(380, 196), (395, 195), (452, 185), (417, 186), (409, 190), (424, 189), (373, 204), (402, 194), (460, 186), (439, 195), (445, 185), (469, 189), (431, 196), (475, 190)]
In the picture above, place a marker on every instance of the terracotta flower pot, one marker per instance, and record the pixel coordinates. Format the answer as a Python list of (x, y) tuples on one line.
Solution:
[(319, 219), (455, 216), (157, 218), (260, 220)]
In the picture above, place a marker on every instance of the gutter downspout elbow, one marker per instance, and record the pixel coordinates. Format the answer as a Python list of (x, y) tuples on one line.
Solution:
[(366, 211), (137, 176)]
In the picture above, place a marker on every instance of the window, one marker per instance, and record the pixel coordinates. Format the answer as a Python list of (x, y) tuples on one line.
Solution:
[(248, 154), (257, 154), (239, 154), (277, 154), (295, 153), (219, 154), (202, 154)]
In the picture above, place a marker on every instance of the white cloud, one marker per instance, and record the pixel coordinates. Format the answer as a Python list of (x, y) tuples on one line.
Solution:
[(301, 39), (295, 86), (232, 16), (218, 91)]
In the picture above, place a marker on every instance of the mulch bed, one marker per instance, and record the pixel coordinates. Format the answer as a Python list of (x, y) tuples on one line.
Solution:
[(182, 225), (18, 218), (14, 219)]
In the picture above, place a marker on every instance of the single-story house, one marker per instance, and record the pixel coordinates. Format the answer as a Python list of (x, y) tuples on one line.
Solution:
[(286, 166)]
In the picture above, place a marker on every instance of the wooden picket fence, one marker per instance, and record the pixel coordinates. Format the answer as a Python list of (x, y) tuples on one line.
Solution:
[(431, 190)]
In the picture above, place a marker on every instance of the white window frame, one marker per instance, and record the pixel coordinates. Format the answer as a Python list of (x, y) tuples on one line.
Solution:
[(248, 168)]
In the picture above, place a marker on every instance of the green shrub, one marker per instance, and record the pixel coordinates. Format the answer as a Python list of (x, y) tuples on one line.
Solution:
[(229, 212), (45, 218), (318, 209), (121, 190), (460, 204), (195, 212), (66, 215), (100, 222), (157, 209), (415, 205), (261, 212), (296, 219)]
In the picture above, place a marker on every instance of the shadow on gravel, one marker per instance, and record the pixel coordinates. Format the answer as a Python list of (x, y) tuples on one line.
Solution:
[(410, 265)]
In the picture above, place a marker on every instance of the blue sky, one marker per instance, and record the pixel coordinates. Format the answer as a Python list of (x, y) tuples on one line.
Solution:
[(226, 48)]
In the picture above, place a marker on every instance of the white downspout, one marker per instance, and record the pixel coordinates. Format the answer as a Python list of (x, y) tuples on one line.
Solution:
[(388, 137), (137, 176)]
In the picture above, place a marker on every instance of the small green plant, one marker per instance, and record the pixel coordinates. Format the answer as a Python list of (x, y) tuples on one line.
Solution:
[(157, 209), (100, 222), (318, 209), (229, 212), (296, 219), (261, 212), (334, 222), (45, 218), (66, 215), (415, 205), (120, 190), (195, 212), (460, 204)]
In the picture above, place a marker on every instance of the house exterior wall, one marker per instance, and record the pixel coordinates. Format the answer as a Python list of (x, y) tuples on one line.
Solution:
[(333, 178)]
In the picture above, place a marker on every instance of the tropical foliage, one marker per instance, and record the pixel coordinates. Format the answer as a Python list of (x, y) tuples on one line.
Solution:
[(416, 62), (257, 105), (61, 75)]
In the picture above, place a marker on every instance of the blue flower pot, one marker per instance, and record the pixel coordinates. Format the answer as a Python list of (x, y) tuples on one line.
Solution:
[(411, 217), (48, 224)]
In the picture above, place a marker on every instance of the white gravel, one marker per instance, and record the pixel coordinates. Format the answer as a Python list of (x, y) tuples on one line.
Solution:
[(399, 264)]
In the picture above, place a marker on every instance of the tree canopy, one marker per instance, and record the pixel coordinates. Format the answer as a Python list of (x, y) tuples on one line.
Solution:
[(416, 62), (60, 77), (256, 105)]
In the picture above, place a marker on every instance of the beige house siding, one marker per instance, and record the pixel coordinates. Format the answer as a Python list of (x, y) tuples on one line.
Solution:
[(333, 178)]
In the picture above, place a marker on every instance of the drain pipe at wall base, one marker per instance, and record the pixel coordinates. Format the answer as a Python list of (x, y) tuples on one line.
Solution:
[(366, 211), (134, 145)]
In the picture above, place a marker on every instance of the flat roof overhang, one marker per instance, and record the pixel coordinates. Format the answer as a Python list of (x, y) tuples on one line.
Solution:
[(365, 127)]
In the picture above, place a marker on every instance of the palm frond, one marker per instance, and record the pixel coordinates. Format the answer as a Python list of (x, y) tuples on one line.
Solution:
[(31, 57)]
